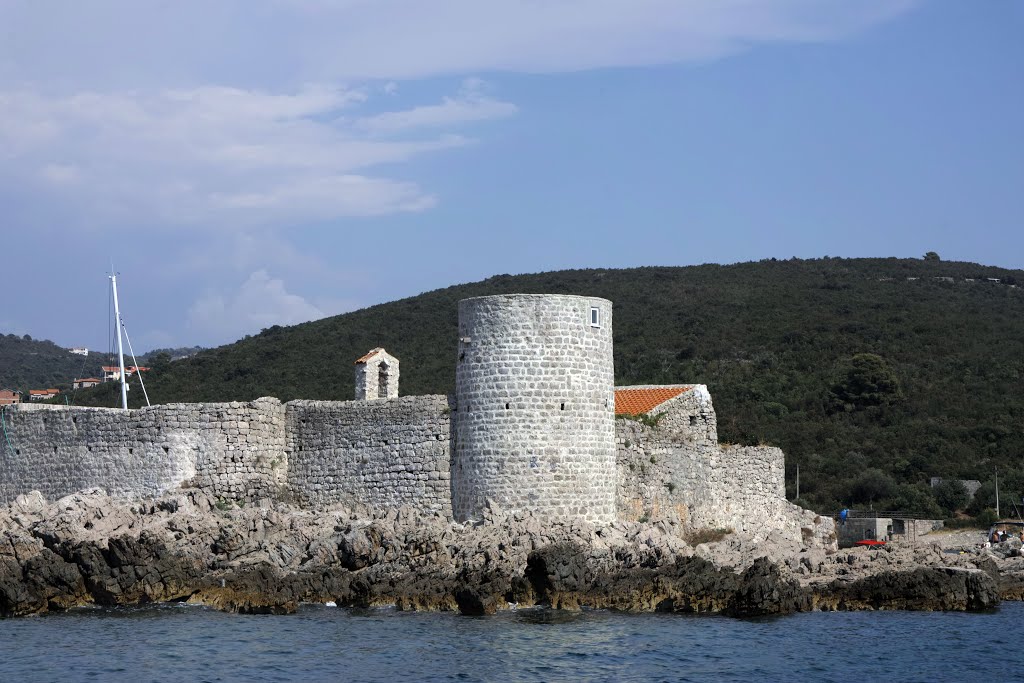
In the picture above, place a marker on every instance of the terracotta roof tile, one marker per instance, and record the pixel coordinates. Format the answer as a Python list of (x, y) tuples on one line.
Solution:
[(369, 355), (640, 401)]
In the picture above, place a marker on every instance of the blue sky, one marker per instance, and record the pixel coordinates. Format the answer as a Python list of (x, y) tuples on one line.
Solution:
[(249, 164)]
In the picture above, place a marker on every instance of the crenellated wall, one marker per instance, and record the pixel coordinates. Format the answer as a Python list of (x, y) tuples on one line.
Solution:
[(378, 453)]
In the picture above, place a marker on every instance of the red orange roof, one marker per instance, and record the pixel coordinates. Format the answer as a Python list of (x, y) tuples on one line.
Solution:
[(640, 401), (368, 356)]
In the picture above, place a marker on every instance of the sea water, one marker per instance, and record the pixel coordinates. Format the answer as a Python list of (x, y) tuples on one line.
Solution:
[(185, 643)]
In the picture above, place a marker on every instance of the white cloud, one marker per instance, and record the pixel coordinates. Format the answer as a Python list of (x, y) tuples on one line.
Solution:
[(261, 301), (108, 108), (211, 156), (471, 104), (116, 43)]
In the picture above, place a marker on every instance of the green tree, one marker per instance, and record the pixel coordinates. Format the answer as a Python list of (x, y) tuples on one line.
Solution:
[(950, 495), (916, 499), (872, 485), (161, 363), (932, 256), (868, 381)]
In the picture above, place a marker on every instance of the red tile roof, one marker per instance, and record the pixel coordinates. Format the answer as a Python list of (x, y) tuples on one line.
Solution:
[(640, 401), (368, 356), (44, 392)]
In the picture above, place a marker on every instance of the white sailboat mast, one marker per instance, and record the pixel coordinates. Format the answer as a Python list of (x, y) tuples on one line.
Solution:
[(120, 350)]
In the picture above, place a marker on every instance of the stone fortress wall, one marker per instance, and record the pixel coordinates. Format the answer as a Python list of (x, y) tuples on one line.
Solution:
[(535, 426), (234, 450), (382, 453), (676, 466), (531, 428)]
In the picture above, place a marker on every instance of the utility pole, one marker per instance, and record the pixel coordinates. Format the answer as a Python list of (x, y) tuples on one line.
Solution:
[(997, 494)]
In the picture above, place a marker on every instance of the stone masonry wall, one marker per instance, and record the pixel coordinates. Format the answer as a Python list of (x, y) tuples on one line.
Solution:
[(382, 454), (234, 450), (535, 411), (665, 471)]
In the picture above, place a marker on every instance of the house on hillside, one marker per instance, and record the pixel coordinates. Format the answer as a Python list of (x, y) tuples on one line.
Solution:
[(9, 397), (42, 394), (132, 369), (86, 383), (79, 351)]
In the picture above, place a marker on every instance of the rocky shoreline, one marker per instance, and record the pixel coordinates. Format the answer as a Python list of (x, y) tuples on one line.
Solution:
[(90, 549)]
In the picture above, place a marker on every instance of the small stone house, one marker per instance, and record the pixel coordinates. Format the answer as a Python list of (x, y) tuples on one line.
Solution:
[(9, 397), (86, 383), (376, 376)]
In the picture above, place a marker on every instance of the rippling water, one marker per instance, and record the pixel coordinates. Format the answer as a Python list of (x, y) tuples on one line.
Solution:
[(179, 643)]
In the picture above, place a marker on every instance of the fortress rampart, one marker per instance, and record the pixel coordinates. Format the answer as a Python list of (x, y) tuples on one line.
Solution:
[(531, 428), (234, 450), (379, 453)]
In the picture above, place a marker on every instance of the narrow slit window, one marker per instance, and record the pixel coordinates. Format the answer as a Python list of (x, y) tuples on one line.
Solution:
[(595, 316)]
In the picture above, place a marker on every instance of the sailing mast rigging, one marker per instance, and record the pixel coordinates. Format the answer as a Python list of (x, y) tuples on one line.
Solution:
[(120, 349)]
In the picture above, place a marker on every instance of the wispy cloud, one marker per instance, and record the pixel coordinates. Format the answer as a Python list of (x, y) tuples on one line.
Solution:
[(260, 301), (120, 124), (216, 155), (471, 104), (236, 41)]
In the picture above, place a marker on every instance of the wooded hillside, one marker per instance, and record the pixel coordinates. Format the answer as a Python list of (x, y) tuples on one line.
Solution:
[(872, 374), (27, 363)]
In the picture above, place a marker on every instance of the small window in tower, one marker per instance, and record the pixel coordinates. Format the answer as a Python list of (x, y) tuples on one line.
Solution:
[(595, 316)]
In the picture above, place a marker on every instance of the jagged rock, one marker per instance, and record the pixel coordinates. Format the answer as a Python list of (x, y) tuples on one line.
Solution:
[(88, 548), (762, 590), (924, 588)]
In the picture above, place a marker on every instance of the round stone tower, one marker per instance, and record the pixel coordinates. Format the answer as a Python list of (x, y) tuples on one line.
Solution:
[(535, 407)]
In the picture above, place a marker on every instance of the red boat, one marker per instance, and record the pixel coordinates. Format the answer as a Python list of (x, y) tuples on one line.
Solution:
[(870, 543)]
